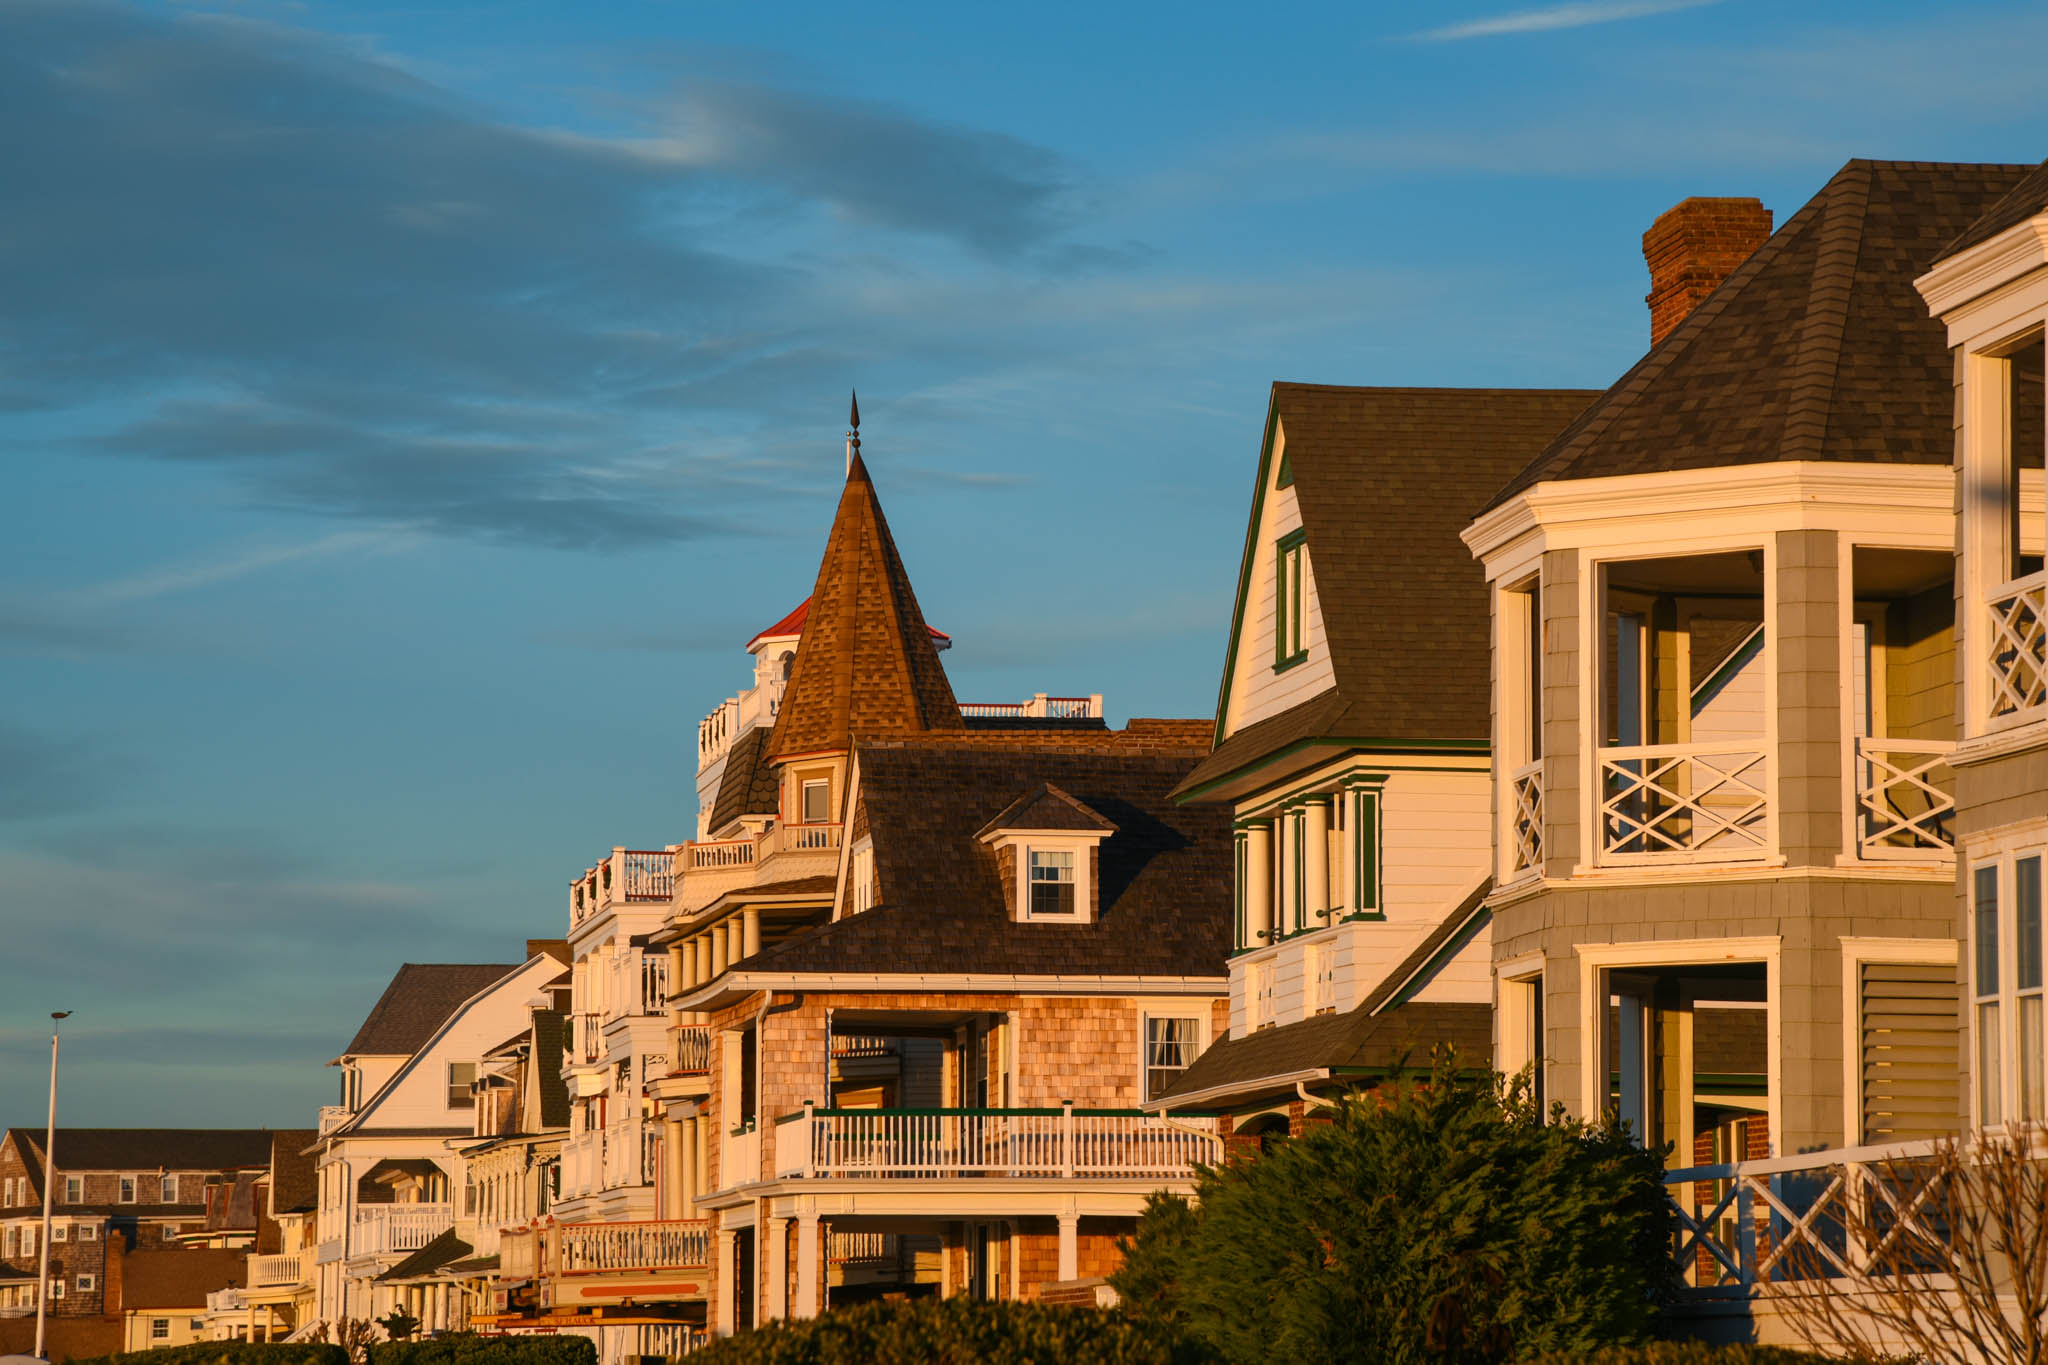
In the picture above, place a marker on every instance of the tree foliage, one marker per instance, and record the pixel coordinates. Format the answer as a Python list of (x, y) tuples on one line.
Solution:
[(1434, 1219), (468, 1348), (955, 1331)]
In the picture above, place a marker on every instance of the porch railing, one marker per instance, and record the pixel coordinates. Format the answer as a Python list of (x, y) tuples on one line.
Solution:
[(594, 1248), (1039, 707), (593, 1035), (693, 1048), (2019, 645), (721, 854), (1905, 798), (1682, 802), (1525, 841), (740, 1161), (386, 1229), (1067, 1142), (1790, 1218), (821, 838), (284, 1268)]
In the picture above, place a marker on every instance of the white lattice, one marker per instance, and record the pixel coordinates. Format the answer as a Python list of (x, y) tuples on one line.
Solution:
[(1904, 798), (2019, 646), (1666, 802), (1527, 825)]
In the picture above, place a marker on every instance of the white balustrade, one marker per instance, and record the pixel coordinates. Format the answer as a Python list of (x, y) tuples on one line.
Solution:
[(1684, 802), (284, 1268), (589, 1248), (2018, 652), (741, 1163), (387, 1229), (693, 1048), (799, 839), (1905, 798), (1039, 707), (720, 855), (1525, 818), (992, 1142)]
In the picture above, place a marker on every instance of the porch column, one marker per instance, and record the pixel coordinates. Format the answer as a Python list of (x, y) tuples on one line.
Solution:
[(702, 1125), (718, 948), (675, 1160), (690, 1173), (778, 1267), (1315, 879), (722, 1275), (807, 1264), (750, 936), (1258, 884), (677, 979), (1070, 1243)]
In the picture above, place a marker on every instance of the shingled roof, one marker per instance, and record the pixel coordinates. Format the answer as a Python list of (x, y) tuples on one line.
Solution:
[(1048, 807), (179, 1279), (1386, 478), (418, 1001), (149, 1149), (1817, 347), (1356, 1041), (747, 786), (1164, 872), (866, 664), (2020, 203)]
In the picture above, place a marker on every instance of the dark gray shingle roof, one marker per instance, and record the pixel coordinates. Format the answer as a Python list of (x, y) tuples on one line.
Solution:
[(417, 1002)]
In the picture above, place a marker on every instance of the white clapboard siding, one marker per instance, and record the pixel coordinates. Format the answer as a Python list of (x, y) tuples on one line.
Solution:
[(1256, 691), (1735, 709), (1435, 842)]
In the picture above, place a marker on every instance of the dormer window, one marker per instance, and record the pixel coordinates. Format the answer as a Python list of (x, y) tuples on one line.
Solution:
[(1052, 882), (1290, 600)]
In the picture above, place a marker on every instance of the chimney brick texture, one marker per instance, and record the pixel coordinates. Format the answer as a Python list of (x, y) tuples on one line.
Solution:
[(1691, 248)]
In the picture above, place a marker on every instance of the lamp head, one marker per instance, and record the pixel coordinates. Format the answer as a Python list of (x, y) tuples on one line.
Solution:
[(60, 1014)]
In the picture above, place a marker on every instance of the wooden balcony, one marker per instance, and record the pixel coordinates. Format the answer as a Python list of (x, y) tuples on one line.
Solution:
[(1664, 803), (287, 1268), (628, 876), (578, 1263), (398, 1229), (1066, 1143), (1039, 707)]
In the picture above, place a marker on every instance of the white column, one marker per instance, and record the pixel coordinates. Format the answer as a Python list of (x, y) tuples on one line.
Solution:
[(1070, 1243), (1315, 880), (726, 1272), (676, 1155), (750, 938), (778, 1267), (719, 946), (691, 1177), (1258, 884), (807, 1265)]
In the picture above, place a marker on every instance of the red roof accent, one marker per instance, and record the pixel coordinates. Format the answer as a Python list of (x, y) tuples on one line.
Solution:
[(793, 624)]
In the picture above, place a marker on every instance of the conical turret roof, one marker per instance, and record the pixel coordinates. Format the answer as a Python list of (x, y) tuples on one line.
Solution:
[(866, 665)]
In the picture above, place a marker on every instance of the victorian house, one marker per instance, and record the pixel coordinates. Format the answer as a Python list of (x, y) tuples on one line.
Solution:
[(1351, 745)]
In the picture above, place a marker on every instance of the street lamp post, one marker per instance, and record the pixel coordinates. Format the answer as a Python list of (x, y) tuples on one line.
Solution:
[(49, 1177)]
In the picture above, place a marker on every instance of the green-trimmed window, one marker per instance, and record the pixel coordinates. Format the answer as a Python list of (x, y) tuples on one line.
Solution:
[(1362, 846), (1241, 934), (1290, 600)]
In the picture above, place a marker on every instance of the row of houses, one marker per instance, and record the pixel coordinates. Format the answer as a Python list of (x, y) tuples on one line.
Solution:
[(1684, 743)]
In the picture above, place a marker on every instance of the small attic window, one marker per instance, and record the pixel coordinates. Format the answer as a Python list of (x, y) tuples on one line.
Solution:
[(1285, 478), (1052, 882), (817, 802)]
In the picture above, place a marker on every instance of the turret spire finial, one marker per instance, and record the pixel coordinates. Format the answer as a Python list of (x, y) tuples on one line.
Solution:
[(853, 433)]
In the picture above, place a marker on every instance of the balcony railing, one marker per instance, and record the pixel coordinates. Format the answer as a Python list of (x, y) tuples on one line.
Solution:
[(716, 732), (693, 1049), (740, 1161), (2019, 645), (394, 1229), (593, 1036), (654, 982), (1905, 798), (1682, 802), (1040, 707), (1525, 831), (976, 1143), (628, 1154), (629, 875), (821, 838), (720, 855), (548, 1248), (284, 1268)]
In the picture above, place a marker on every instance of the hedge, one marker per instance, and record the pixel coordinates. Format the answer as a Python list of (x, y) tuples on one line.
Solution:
[(956, 1331), (1680, 1353), (228, 1353), (467, 1348)]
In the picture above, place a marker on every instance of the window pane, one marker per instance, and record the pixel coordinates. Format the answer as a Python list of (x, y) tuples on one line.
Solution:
[(2030, 1056), (817, 806), (1989, 1083), (1987, 931), (2026, 911)]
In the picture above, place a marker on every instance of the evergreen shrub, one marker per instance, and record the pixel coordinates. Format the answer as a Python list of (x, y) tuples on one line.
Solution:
[(1437, 1219), (955, 1331), (467, 1348), (227, 1353), (1680, 1353)]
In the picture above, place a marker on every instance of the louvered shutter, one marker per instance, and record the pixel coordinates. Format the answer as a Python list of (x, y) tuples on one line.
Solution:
[(1911, 1068)]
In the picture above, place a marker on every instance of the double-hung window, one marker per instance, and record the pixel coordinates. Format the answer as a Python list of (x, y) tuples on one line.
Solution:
[(1052, 882), (167, 1190), (1290, 600), (461, 1075), (2007, 988), (74, 1189), (127, 1189), (1171, 1044), (817, 801), (159, 1329)]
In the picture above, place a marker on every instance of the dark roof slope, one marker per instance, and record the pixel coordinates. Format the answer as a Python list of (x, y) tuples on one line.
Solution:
[(444, 1250), (1048, 807), (150, 1149), (294, 1177), (418, 1001), (1386, 479), (1817, 347), (866, 664), (748, 784), (1165, 871), (1356, 1040), (550, 1041), (179, 1279), (2020, 203)]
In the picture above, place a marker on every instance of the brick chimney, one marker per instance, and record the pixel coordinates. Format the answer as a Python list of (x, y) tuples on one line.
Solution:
[(1694, 246)]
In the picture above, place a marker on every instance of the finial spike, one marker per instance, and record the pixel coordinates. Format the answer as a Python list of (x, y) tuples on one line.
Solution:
[(855, 418), (853, 434)]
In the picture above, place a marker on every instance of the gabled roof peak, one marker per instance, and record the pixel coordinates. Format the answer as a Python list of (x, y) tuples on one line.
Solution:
[(1046, 807)]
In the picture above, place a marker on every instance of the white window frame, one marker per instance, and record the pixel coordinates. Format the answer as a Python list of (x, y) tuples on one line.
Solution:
[(87, 1282), (821, 785), (74, 1189), (60, 1232), (468, 1097), (2001, 863), (167, 1189), (129, 1189), (56, 1289), (159, 1329), (1032, 881), (88, 1232), (863, 872), (1192, 1011)]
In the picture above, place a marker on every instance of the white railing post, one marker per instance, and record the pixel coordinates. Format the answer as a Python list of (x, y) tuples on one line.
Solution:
[(1067, 1138), (810, 1140)]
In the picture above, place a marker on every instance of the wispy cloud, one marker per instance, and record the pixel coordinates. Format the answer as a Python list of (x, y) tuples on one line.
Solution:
[(175, 578), (1554, 17)]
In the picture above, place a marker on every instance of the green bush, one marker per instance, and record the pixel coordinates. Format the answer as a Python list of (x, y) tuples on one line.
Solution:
[(467, 1348), (955, 1331), (1435, 1220), (1680, 1353), (228, 1353)]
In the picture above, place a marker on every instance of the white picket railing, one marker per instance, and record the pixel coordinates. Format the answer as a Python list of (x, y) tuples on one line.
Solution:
[(1067, 1142), (594, 1248), (721, 854), (1684, 802), (385, 1229), (2019, 645), (740, 1161), (1905, 798), (1525, 846), (283, 1268)]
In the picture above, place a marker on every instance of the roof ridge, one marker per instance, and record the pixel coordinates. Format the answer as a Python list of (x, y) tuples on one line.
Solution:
[(1819, 355)]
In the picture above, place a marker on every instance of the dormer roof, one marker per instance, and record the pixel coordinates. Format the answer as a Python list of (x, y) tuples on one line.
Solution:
[(1046, 807), (1818, 347), (867, 665), (792, 626)]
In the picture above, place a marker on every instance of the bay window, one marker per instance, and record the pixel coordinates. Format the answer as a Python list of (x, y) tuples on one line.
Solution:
[(2011, 1061)]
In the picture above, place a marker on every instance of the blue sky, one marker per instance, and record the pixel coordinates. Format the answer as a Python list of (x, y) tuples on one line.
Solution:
[(408, 412)]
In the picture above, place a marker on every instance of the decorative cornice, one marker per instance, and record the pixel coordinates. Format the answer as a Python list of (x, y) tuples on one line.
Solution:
[(1972, 273)]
